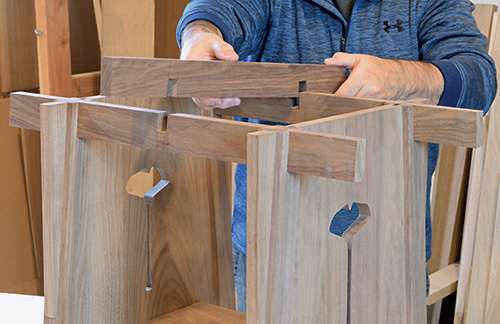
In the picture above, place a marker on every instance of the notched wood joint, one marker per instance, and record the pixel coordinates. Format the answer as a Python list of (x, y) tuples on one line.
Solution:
[(302, 86), (171, 87)]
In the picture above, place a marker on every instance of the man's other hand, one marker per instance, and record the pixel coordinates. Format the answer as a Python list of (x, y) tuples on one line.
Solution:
[(373, 77), (201, 40)]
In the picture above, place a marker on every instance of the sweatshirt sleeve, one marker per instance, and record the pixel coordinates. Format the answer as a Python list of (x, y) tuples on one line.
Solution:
[(450, 39), (243, 23)]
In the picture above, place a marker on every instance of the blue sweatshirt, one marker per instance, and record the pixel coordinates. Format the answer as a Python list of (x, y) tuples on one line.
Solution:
[(442, 32)]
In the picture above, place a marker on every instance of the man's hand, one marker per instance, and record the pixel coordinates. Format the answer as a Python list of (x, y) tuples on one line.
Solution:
[(373, 77), (201, 40)]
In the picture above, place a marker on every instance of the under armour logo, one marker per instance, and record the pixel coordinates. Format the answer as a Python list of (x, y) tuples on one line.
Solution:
[(398, 26)]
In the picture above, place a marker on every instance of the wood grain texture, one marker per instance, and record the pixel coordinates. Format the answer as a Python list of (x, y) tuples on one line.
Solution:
[(283, 110), (483, 13), (84, 45), (201, 313), (128, 29), (493, 301), (332, 156), (32, 287), (18, 54), (85, 84), (182, 78), (98, 19), (120, 124), (432, 124), (448, 197), (19, 255), (103, 231), (470, 227), (481, 281), (54, 118), (289, 217), (54, 57), (451, 209), (443, 283), (167, 15), (448, 204), (25, 109), (450, 126)]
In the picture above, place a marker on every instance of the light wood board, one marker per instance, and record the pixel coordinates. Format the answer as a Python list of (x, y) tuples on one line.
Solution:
[(481, 306), (128, 28), (201, 313), (18, 53), (18, 257)]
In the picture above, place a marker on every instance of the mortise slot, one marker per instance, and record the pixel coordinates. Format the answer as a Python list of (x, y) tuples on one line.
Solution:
[(302, 86)]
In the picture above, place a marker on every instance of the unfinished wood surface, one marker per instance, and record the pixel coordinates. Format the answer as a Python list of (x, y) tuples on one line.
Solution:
[(448, 195), (167, 15), (483, 13), (18, 60), (279, 234), (201, 313), (128, 29), (98, 19), (482, 280), (54, 57), (442, 283), (53, 123), (103, 249), (470, 226), (182, 78), (25, 109), (344, 158), (283, 110), (85, 50), (493, 301), (332, 156), (120, 124), (85, 84), (448, 203), (432, 124), (33, 287), (18, 257)]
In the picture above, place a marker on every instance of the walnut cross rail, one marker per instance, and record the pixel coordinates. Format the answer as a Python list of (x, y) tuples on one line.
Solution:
[(207, 137), (277, 87)]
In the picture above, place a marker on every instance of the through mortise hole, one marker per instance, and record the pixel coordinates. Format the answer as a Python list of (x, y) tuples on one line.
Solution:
[(302, 86), (141, 182), (348, 221)]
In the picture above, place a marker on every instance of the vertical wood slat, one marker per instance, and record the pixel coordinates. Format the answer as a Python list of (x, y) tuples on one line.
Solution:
[(483, 285), (54, 65), (449, 201), (18, 61)]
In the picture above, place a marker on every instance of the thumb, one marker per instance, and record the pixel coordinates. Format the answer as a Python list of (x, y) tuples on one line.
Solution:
[(224, 52), (342, 59)]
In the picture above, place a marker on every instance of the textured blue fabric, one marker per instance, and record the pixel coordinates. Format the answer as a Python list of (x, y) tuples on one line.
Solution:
[(240, 279), (308, 31)]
